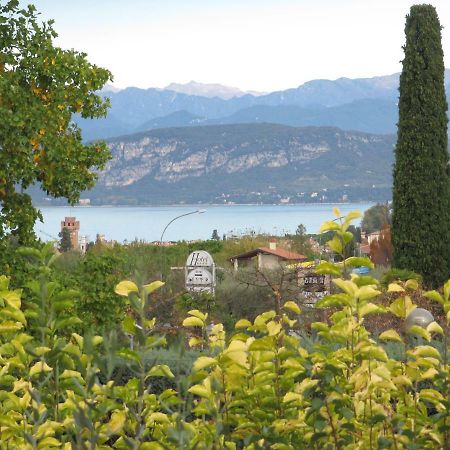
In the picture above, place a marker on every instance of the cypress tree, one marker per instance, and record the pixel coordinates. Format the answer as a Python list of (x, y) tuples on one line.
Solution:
[(421, 196), (66, 243)]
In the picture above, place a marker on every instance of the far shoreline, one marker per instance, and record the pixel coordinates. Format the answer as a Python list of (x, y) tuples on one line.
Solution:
[(206, 205)]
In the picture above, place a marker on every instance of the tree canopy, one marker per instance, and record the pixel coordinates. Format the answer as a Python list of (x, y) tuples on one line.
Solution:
[(376, 218), (41, 87), (421, 195), (65, 243)]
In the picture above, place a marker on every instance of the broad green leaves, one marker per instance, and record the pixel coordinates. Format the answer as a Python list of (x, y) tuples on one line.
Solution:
[(41, 87), (125, 288)]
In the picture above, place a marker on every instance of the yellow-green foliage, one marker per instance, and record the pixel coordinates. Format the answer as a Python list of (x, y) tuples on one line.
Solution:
[(259, 388)]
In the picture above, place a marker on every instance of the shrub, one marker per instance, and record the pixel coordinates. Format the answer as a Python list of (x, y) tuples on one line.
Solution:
[(261, 386), (398, 275)]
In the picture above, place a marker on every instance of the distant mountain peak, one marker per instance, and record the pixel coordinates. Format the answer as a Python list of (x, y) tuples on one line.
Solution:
[(207, 90), (110, 88)]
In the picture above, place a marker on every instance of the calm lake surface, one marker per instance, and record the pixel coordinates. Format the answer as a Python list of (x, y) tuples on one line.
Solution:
[(147, 223)]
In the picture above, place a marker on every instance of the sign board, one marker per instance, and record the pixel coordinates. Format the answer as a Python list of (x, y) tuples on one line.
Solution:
[(313, 281), (314, 286), (199, 277), (200, 272), (199, 258)]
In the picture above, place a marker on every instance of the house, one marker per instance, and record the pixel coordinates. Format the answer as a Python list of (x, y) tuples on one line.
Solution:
[(370, 237), (268, 258)]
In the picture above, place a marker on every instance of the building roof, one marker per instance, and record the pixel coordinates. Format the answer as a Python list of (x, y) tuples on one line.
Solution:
[(364, 249), (280, 252)]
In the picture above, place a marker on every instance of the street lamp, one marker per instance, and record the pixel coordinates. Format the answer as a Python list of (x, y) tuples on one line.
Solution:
[(197, 211)]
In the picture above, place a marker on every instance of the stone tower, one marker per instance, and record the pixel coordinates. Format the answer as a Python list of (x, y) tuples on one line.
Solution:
[(73, 226)]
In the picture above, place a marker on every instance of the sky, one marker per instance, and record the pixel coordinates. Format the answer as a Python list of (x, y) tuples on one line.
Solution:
[(260, 45)]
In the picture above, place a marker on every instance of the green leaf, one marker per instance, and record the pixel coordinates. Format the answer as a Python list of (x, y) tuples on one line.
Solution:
[(4, 283), (8, 422), (151, 446), (204, 361), (352, 215), (327, 268), (369, 308), (355, 261), (12, 298), (39, 351), (435, 296), (68, 322), (367, 293), (334, 301), (329, 226), (347, 286), (265, 343), (243, 323), (200, 391), (96, 340), (48, 442), (306, 384), (33, 253), (447, 291), (416, 329), (71, 374), (239, 357), (39, 367), (126, 353), (129, 325), (158, 417), (412, 284), (14, 313), (124, 288), (364, 280), (292, 306), (193, 322), (199, 314), (193, 342), (394, 287), (273, 328), (336, 212), (336, 245), (434, 327), (374, 352), (151, 287), (117, 422), (8, 326), (431, 395), (160, 370), (402, 307), (292, 397), (390, 335), (426, 351)]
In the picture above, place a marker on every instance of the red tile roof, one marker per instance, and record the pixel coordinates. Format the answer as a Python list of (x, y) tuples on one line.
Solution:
[(280, 252)]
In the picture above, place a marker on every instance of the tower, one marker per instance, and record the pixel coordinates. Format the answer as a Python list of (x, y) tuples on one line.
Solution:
[(73, 226)]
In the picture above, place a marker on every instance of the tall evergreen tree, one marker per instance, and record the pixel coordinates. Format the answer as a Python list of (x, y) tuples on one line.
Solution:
[(421, 197), (66, 243)]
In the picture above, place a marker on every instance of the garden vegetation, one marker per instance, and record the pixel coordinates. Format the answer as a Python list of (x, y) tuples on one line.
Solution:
[(263, 385)]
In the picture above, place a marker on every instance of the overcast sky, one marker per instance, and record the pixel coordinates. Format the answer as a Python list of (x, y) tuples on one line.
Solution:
[(263, 45)]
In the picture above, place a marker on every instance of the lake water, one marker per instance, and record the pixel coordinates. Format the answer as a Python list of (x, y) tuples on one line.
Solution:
[(147, 223)]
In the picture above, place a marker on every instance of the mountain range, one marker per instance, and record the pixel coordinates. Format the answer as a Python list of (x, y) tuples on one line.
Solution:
[(364, 104), (323, 141), (245, 163)]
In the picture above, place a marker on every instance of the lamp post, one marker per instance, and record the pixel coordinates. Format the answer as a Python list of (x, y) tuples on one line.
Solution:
[(197, 211)]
